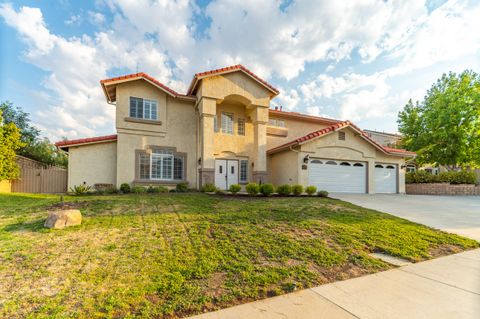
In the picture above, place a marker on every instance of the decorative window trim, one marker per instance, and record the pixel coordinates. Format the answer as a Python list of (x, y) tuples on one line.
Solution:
[(243, 164), (149, 150)]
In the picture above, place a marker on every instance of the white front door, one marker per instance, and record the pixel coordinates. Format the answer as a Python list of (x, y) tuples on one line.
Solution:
[(338, 176), (226, 173), (385, 178)]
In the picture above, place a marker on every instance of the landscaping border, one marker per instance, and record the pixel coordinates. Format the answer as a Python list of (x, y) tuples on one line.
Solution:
[(442, 189)]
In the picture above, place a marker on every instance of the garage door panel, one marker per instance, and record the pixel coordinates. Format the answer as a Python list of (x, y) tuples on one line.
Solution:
[(386, 178), (347, 178)]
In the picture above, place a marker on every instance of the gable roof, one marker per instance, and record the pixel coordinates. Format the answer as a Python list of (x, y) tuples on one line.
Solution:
[(82, 141), (301, 116), (229, 69), (335, 127), (109, 85)]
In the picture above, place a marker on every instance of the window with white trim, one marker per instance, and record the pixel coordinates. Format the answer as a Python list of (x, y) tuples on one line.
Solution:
[(243, 171), (227, 123), (241, 127), (276, 122), (162, 165), (143, 108)]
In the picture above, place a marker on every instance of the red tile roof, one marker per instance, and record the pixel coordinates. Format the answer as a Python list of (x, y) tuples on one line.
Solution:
[(89, 140), (302, 116), (228, 69), (334, 127)]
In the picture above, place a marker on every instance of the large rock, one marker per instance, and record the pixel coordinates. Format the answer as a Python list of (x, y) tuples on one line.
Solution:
[(63, 218)]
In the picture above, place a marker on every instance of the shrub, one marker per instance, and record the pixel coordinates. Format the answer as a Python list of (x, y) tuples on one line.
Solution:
[(182, 187), (209, 188), (267, 189), (219, 191), (463, 177), (322, 193), (138, 189), (151, 189), (111, 190), (125, 188), (297, 190), (99, 191), (310, 190), (451, 177), (284, 190), (81, 189), (161, 189), (235, 188), (252, 189)]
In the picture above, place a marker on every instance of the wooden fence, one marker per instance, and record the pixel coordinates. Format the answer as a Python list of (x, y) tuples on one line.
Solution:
[(36, 177)]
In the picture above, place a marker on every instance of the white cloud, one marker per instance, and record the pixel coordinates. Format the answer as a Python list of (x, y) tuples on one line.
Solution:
[(288, 99), (74, 20), (96, 18)]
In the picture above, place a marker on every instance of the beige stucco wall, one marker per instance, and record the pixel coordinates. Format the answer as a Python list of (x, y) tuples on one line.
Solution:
[(383, 139), (295, 129), (283, 168), (92, 164), (353, 148), (178, 129)]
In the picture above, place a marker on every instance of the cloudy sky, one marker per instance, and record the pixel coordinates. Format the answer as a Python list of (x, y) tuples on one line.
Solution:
[(355, 60)]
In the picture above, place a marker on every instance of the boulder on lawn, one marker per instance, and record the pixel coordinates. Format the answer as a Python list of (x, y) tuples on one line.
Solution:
[(63, 218)]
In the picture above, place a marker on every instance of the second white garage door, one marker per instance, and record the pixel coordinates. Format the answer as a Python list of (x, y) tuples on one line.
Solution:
[(385, 178), (338, 176)]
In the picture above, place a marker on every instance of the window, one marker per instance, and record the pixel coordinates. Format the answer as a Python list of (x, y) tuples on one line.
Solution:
[(410, 169), (227, 123), (143, 108), (358, 164), (379, 166), (390, 167), (331, 163), (215, 123), (241, 127), (316, 162), (277, 123), (345, 164), (341, 136), (243, 171), (161, 165)]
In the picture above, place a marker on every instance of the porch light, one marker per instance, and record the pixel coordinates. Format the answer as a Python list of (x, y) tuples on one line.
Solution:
[(199, 161), (305, 159)]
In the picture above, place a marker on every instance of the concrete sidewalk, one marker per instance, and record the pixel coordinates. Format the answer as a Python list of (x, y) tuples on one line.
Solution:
[(446, 287)]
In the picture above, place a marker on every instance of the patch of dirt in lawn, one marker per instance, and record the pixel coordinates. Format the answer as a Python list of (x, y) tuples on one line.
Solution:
[(214, 284), (443, 250), (337, 207)]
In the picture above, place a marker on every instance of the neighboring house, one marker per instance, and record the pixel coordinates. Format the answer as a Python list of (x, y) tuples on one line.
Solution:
[(222, 131)]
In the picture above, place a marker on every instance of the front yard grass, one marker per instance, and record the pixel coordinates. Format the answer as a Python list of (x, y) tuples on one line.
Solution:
[(173, 255)]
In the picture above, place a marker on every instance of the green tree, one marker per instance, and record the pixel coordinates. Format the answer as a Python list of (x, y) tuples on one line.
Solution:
[(34, 147), (444, 128), (9, 143)]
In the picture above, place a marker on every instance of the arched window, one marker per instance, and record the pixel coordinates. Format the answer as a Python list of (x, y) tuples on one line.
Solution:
[(345, 164), (317, 162), (358, 164), (331, 163), (390, 167), (379, 166)]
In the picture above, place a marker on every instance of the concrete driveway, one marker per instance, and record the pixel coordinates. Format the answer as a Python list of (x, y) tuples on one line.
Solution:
[(455, 214)]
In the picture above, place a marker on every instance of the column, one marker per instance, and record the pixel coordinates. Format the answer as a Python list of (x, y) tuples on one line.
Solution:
[(207, 110), (260, 118)]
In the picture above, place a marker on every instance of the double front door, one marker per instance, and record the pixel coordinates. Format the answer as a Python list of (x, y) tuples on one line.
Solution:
[(226, 173)]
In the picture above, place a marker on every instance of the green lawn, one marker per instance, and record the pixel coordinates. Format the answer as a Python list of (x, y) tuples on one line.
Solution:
[(179, 254)]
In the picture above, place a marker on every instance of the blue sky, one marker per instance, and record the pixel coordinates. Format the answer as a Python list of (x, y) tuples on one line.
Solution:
[(356, 60)]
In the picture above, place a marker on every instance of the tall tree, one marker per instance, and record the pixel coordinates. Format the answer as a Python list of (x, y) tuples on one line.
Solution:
[(9, 143), (444, 128), (34, 147)]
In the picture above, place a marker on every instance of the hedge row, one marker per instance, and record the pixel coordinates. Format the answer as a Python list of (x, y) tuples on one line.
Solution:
[(268, 189), (452, 177)]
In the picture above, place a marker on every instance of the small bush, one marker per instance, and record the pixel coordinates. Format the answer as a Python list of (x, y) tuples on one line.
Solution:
[(451, 177), (297, 190), (267, 189), (138, 189), (161, 189), (310, 190), (125, 188), (99, 191), (219, 191), (81, 189), (111, 190), (209, 188), (463, 177), (181, 187), (151, 189), (252, 189), (322, 193), (235, 188), (284, 190)]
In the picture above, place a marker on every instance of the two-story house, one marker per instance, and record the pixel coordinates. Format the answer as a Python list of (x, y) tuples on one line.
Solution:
[(223, 131)]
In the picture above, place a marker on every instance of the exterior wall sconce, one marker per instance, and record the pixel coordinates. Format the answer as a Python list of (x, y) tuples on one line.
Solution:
[(403, 166), (253, 164), (306, 158), (199, 161)]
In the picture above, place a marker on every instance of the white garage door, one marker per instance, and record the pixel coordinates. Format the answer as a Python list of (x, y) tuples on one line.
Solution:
[(385, 178), (338, 176)]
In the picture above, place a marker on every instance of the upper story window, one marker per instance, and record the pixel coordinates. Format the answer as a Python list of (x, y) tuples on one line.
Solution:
[(276, 122), (227, 123), (241, 127), (143, 108)]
